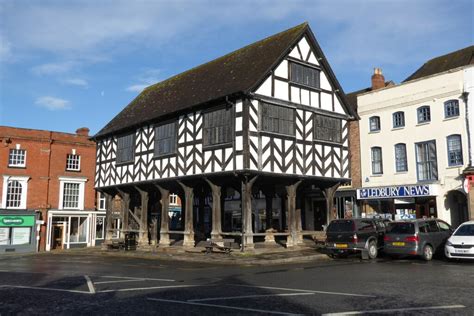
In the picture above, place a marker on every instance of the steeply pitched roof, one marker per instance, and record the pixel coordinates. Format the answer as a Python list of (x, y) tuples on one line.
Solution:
[(459, 58), (352, 97), (235, 72)]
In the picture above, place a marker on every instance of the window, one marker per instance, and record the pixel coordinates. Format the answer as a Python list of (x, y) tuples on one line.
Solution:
[(73, 162), (15, 189), (426, 163), (401, 158), (377, 160), (173, 199), (304, 75), (424, 114), (165, 139), (17, 158), (432, 227), (444, 227), (101, 202), (398, 119), (451, 108), (78, 231), (125, 148), (71, 195), (374, 123), (327, 128), (100, 227), (454, 150), (277, 119), (218, 127)]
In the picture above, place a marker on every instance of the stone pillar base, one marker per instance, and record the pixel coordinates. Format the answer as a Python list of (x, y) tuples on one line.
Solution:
[(248, 242), (164, 240), (216, 235), (291, 241), (188, 240), (299, 239)]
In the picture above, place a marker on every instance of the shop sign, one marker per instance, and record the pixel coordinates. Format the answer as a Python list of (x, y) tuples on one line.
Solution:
[(13, 220), (395, 192)]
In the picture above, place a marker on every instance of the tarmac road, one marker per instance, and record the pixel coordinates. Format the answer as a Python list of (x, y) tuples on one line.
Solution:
[(93, 284)]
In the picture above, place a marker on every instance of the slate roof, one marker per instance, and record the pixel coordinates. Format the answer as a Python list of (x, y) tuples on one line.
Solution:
[(459, 58), (237, 72)]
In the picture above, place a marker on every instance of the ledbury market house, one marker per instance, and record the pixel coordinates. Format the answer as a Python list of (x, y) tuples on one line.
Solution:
[(253, 140)]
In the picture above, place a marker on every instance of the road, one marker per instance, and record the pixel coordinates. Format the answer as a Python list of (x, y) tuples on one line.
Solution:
[(95, 284)]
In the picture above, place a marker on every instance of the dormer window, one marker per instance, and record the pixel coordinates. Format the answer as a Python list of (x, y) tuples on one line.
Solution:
[(17, 158), (304, 75), (374, 124), (424, 114)]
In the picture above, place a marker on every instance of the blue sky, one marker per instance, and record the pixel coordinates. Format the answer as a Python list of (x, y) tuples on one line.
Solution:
[(68, 64)]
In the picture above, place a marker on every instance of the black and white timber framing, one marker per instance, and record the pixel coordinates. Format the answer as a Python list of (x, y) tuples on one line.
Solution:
[(258, 154)]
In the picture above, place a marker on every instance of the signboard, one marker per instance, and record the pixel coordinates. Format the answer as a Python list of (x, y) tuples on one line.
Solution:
[(405, 191), (21, 235), (17, 220)]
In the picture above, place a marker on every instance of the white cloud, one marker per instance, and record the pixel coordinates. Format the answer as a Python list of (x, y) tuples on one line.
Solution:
[(52, 103), (137, 87), (53, 68), (76, 82), (146, 78)]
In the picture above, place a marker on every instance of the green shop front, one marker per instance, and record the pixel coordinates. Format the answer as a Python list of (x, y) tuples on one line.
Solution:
[(17, 231)]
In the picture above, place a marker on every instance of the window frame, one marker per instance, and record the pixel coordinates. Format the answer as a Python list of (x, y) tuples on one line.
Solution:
[(401, 119), (374, 162), (374, 119), (101, 198), (338, 136), (13, 150), (455, 108), (23, 180), (304, 66), (421, 112), (261, 123), (132, 159), (68, 168), (429, 162), (460, 154), (174, 139), (404, 146), (206, 143), (81, 196)]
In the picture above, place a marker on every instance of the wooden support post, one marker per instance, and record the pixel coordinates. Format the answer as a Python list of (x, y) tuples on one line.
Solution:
[(125, 209), (108, 217), (247, 231), (329, 195), (188, 219), (269, 208), (216, 232), (143, 223), (165, 219), (299, 223), (292, 239)]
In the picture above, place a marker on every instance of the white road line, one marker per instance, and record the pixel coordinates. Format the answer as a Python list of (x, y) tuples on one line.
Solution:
[(221, 306), (90, 285), (132, 278), (395, 310), (44, 289), (118, 281), (301, 290), (246, 296), (148, 288)]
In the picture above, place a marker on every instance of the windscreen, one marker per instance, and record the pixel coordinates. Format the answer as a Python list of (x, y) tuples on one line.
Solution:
[(465, 230), (401, 228), (340, 226)]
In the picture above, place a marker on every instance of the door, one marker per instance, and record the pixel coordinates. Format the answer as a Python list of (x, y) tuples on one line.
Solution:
[(58, 237), (320, 214)]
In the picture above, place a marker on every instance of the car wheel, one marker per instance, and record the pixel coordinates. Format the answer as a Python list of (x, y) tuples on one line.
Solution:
[(427, 252), (372, 249)]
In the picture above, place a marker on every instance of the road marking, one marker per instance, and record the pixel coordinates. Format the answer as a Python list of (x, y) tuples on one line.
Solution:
[(148, 288), (138, 279), (395, 310), (44, 289), (246, 296), (301, 290), (117, 281), (90, 285), (221, 306)]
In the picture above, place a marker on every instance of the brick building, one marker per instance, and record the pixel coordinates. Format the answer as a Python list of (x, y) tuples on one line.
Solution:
[(49, 175)]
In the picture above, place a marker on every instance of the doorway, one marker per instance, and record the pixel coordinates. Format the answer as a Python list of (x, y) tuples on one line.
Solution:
[(320, 214), (58, 234)]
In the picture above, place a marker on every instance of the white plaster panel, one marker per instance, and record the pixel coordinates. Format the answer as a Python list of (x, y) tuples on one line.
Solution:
[(266, 87), (282, 70), (326, 101), (295, 95), (304, 47), (337, 105), (281, 90), (239, 143), (239, 162), (312, 59), (315, 99), (325, 82), (238, 106), (304, 96), (238, 124), (294, 53)]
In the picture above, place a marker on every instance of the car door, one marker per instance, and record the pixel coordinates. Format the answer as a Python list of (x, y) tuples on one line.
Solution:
[(434, 235), (445, 231)]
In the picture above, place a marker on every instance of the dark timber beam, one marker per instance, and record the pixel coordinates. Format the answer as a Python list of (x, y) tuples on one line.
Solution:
[(329, 195), (143, 222), (108, 217), (269, 194), (165, 206), (216, 232), (188, 219), (292, 239), (125, 208), (247, 231)]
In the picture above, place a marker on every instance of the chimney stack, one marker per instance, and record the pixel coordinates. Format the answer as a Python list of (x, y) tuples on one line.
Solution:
[(378, 80), (82, 131)]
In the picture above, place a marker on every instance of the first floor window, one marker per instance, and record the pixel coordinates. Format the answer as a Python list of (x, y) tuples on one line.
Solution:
[(73, 162), (424, 114), (14, 192), (374, 123), (277, 119), (71, 195), (426, 162), (100, 227), (401, 157), (218, 127), (398, 119), (327, 128), (15, 189), (17, 158), (125, 148), (454, 150), (165, 139), (101, 201), (377, 160)]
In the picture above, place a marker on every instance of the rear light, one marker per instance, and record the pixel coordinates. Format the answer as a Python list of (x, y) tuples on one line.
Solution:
[(386, 238), (412, 238), (354, 239)]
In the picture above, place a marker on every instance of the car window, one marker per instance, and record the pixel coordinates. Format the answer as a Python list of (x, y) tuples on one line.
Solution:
[(465, 230), (443, 226), (366, 225), (423, 227), (432, 227), (340, 226), (380, 224), (401, 228)]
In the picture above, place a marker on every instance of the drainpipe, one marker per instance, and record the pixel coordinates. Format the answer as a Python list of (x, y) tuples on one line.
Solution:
[(464, 97)]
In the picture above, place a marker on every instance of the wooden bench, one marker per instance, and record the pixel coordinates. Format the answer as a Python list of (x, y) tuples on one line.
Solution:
[(221, 244), (116, 244)]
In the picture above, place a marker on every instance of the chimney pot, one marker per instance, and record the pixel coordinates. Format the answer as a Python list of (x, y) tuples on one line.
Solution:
[(82, 131), (378, 80)]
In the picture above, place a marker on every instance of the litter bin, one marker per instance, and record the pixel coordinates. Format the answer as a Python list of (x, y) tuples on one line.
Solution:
[(130, 241)]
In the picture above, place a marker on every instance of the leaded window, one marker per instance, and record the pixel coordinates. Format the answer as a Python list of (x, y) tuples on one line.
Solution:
[(374, 123), (101, 204), (377, 160), (218, 127), (277, 119), (14, 192), (17, 158), (165, 139), (401, 158), (454, 150), (73, 162), (71, 195), (327, 128), (398, 119), (426, 161), (304, 75), (451, 108), (125, 148), (424, 114)]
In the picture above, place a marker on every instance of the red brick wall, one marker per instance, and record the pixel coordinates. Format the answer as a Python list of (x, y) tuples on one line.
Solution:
[(354, 149)]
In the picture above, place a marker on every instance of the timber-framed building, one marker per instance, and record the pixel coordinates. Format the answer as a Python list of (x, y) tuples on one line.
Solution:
[(262, 130)]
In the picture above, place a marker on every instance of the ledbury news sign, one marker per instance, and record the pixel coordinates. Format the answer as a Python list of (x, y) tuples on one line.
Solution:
[(404, 191)]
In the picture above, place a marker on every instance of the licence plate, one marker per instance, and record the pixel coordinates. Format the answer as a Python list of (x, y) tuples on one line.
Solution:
[(461, 250), (398, 243), (341, 245)]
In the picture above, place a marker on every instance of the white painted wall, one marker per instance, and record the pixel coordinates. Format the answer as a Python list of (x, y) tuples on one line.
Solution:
[(468, 74)]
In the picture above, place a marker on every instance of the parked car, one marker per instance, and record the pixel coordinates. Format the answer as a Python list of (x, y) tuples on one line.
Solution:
[(461, 244), (418, 237), (344, 236)]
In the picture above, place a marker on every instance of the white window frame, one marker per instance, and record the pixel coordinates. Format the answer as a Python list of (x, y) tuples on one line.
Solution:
[(173, 199), (24, 191), (101, 198), (23, 165), (81, 181), (73, 156)]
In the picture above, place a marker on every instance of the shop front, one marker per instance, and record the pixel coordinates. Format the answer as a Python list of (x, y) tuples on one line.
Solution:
[(74, 229), (18, 231), (399, 202)]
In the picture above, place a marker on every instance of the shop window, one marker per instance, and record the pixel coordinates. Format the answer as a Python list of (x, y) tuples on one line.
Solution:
[(426, 161), (218, 127), (17, 158), (100, 227), (165, 139), (78, 230), (377, 160), (15, 236), (327, 128), (116, 226), (73, 162), (374, 123), (173, 199), (71, 195), (125, 148), (15, 190), (277, 119), (423, 114), (401, 158), (101, 203), (454, 150), (451, 108), (304, 75), (398, 119)]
